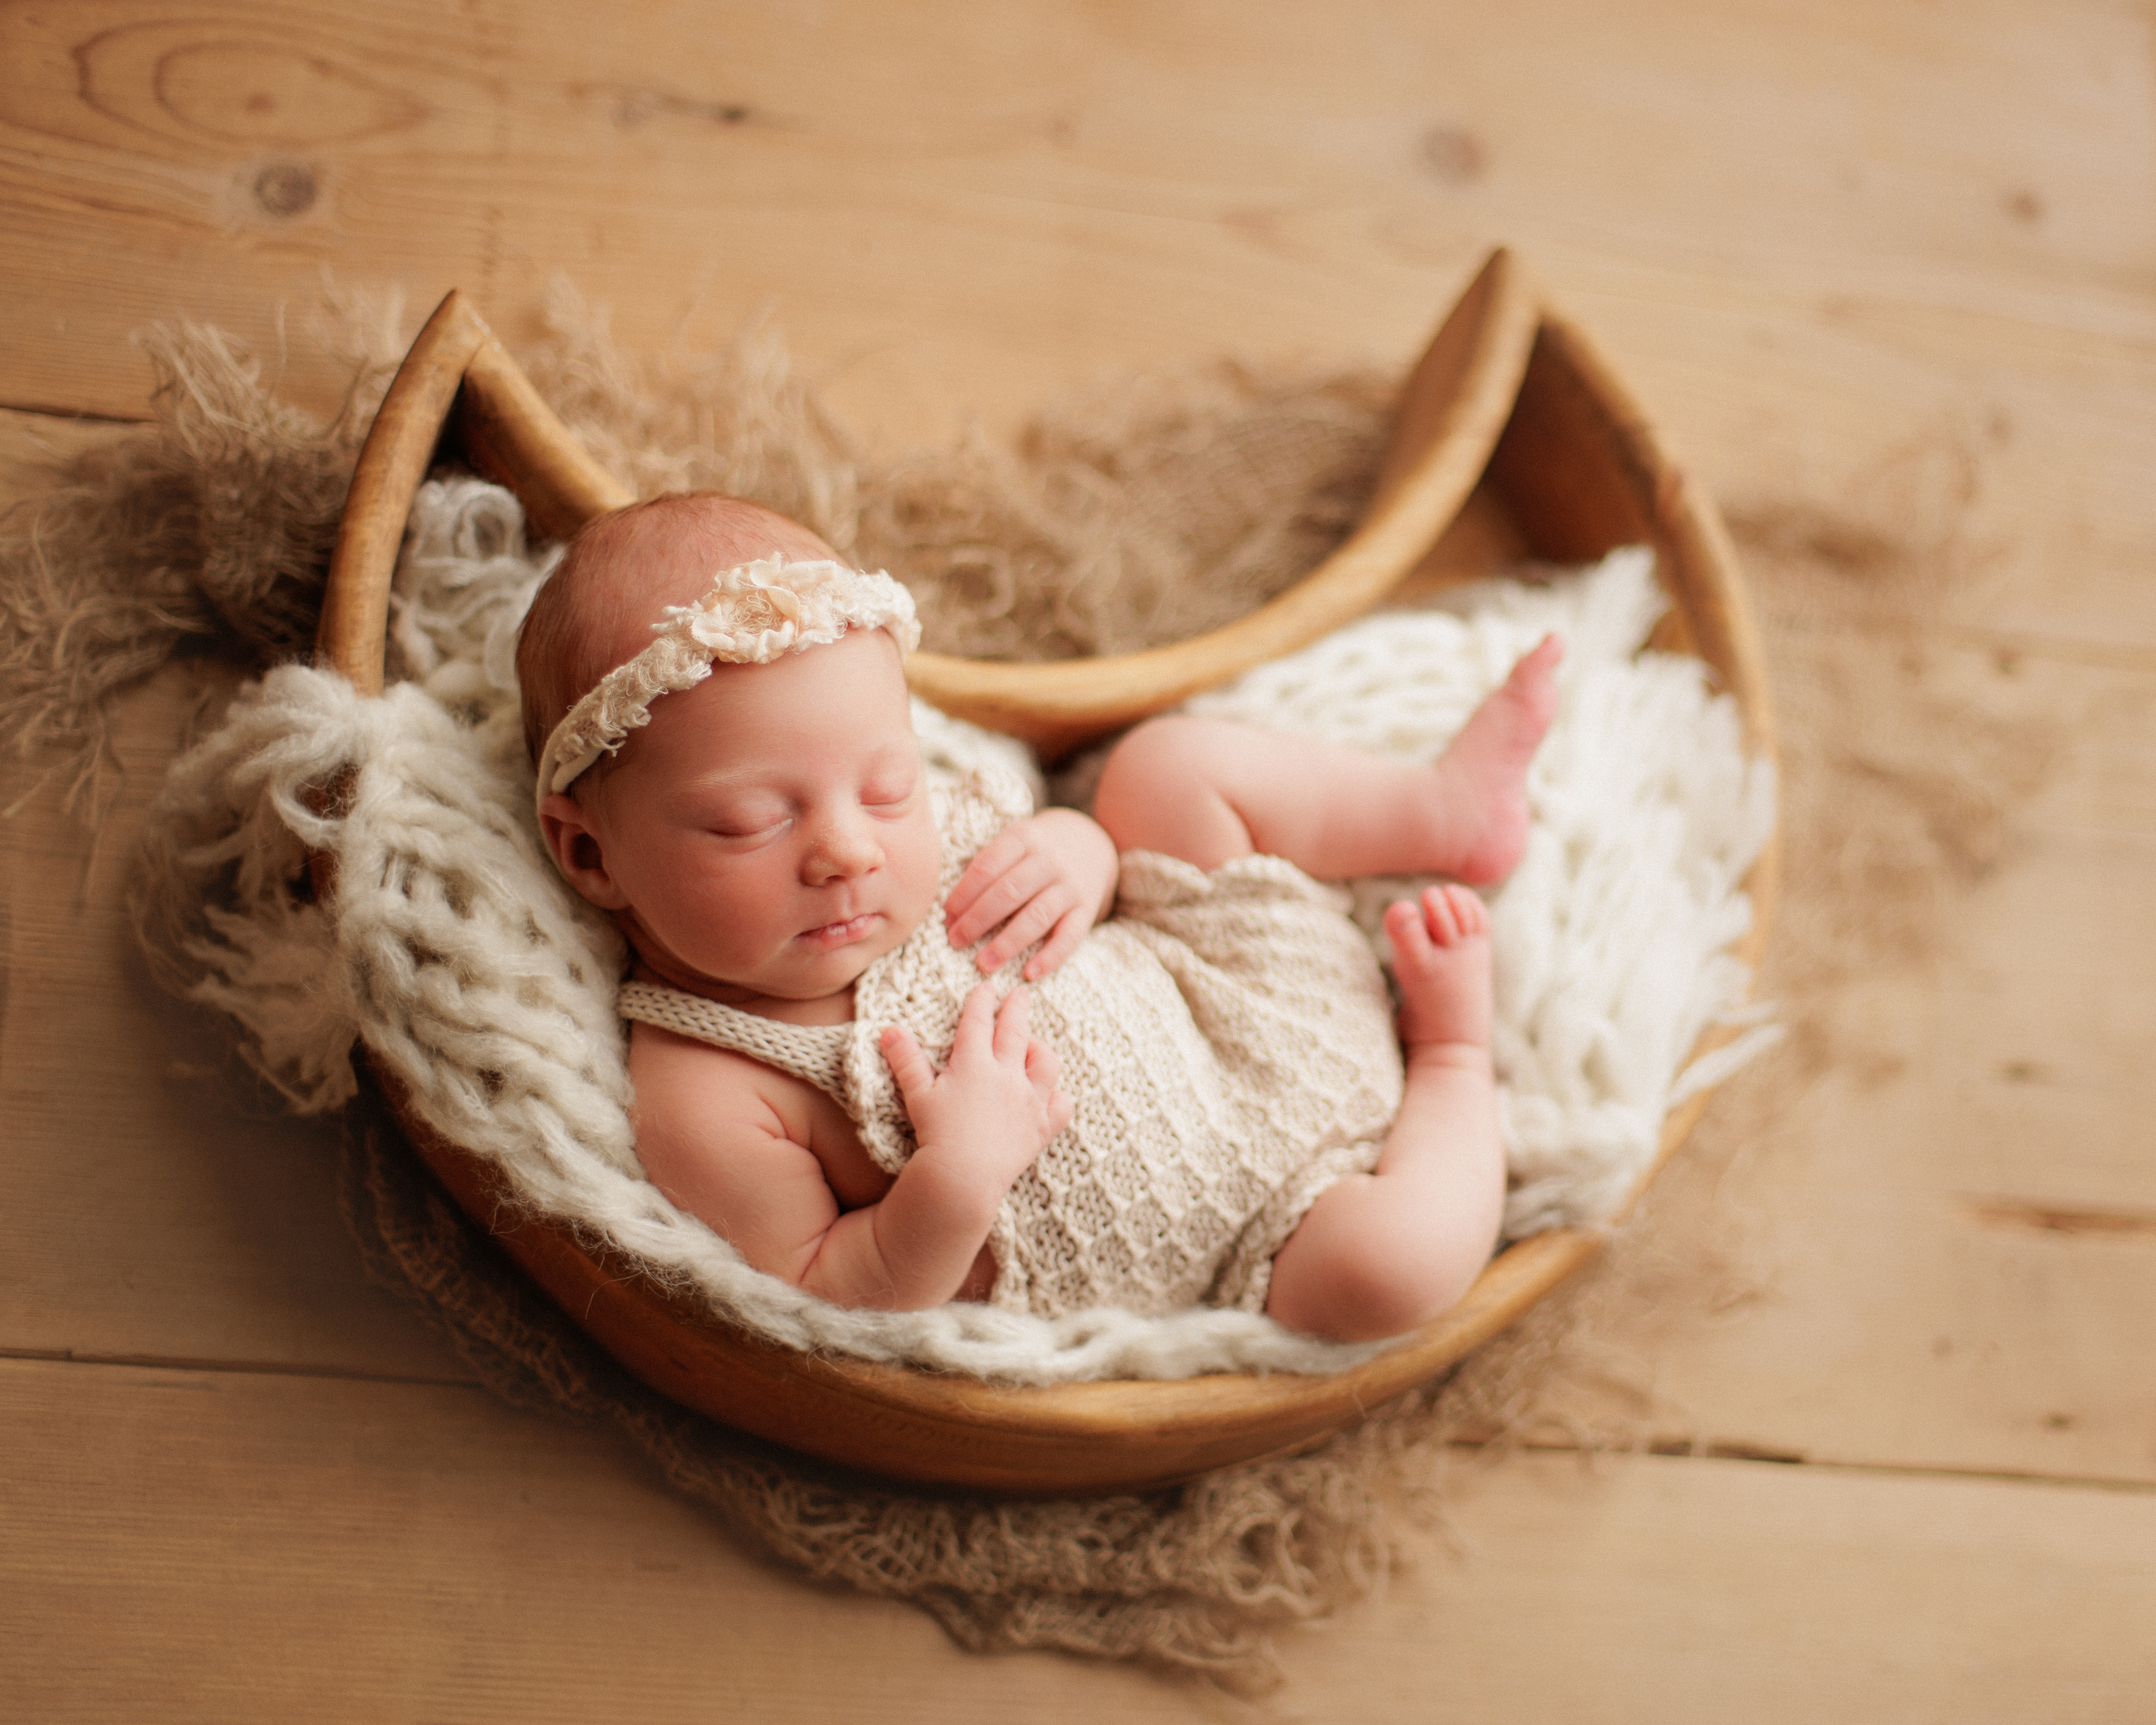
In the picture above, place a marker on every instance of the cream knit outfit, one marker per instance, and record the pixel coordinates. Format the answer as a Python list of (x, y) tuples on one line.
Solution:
[(1227, 1039)]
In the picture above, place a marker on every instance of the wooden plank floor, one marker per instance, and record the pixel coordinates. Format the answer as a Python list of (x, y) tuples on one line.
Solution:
[(1885, 273)]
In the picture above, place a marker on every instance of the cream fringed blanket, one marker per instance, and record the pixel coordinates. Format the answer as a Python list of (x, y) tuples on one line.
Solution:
[(1088, 536), (455, 953)]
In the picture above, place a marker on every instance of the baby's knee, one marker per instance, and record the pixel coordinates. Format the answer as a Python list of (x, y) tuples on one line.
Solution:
[(1379, 1297), (1367, 1289), (1148, 780)]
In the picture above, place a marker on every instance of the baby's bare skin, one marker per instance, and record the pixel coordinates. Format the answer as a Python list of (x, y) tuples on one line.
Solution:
[(761, 842), (766, 838), (1382, 1252), (1379, 1253)]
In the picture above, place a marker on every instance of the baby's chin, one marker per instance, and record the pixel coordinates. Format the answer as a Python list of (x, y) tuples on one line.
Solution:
[(820, 973)]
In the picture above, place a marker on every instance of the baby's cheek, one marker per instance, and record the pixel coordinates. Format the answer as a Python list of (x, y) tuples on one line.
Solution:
[(920, 867)]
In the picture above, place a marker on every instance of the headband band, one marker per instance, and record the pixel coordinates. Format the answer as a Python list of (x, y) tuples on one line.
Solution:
[(754, 613)]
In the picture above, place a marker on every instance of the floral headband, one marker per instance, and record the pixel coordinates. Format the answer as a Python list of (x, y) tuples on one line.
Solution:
[(754, 613)]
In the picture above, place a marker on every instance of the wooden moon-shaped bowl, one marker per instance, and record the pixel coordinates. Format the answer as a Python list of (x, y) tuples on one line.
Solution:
[(1512, 438)]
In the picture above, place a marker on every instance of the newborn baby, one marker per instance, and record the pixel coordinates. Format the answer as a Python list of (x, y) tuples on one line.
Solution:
[(903, 1039)]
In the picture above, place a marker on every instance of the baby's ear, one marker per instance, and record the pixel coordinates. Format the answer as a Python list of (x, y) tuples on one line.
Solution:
[(572, 838)]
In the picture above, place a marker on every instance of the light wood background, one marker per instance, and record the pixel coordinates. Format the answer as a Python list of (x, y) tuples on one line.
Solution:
[(1826, 240)]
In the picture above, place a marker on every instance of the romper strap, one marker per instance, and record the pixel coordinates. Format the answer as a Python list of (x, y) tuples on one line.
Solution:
[(815, 1053)]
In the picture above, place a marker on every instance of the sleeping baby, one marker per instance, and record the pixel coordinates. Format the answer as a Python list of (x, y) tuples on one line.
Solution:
[(902, 1039)]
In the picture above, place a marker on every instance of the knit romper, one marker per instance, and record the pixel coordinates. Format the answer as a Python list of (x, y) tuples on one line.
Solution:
[(1226, 1039)]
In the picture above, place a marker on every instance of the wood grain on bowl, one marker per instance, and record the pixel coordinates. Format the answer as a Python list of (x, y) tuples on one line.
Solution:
[(1511, 427)]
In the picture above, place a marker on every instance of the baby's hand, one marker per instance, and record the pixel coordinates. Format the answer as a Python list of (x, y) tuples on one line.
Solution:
[(995, 1105), (1053, 874)]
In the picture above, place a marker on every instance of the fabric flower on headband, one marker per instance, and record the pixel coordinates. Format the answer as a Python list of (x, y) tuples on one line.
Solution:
[(754, 613)]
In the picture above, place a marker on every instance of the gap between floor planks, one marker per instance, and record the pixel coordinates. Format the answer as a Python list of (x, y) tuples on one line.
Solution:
[(384, 1552), (256, 1294)]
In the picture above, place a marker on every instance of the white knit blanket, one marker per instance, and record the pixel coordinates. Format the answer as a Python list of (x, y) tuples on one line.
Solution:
[(455, 953)]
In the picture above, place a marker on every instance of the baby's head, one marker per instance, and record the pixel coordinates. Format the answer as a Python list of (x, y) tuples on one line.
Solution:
[(728, 762)]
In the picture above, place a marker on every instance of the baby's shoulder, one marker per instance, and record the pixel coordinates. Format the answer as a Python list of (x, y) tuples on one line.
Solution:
[(673, 1074), (694, 1102)]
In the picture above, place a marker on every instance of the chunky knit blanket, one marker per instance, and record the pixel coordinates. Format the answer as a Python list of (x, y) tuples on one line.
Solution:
[(454, 953)]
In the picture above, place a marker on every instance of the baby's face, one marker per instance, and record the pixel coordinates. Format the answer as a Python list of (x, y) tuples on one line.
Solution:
[(769, 832)]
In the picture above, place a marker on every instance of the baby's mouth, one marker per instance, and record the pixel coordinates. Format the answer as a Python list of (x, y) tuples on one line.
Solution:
[(839, 934)]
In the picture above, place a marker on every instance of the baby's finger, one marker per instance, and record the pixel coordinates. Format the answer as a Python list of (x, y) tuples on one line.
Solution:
[(1003, 897), (1011, 1038), (998, 854), (997, 900), (1060, 945), (1001, 887), (1042, 1068), (1040, 914), (909, 1067), (1060, 1109), (977, 1020)]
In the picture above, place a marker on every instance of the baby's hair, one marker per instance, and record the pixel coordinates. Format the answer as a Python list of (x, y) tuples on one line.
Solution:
[(620, 572)]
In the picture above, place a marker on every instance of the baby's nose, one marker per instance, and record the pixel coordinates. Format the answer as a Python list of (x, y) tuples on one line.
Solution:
[(845, 846)]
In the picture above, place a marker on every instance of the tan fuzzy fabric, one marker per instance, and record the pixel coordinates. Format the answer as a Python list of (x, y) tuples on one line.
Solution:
[(215, 530), (125, 562), (1194, 1580), (212, 527), (1085, 536)]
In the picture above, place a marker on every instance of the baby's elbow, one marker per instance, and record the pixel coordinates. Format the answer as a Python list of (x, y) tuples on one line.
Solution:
[(1148, 782), (850, 1271)]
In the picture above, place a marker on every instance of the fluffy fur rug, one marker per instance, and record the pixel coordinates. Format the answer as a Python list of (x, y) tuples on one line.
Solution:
[(1082, 537)]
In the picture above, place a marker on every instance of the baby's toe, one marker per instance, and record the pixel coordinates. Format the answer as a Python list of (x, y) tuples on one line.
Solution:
[(1453, 914), (1440, 916), (1405, 928), (1469, 912)]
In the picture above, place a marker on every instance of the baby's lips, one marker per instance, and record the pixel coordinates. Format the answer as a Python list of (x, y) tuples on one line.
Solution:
[(842, 933)]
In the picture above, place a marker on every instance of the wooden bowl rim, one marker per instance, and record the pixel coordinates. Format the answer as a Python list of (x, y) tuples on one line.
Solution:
[(1455, 404), (456, 361)]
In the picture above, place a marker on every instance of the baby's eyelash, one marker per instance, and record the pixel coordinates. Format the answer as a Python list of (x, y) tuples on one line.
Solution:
[(738, 829)]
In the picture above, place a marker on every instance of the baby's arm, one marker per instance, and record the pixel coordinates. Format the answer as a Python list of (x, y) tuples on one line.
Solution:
[(723, 1145), (1053, 875)]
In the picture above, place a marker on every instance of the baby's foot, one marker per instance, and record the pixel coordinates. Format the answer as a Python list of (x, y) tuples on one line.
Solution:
[(1484, 774), (1441, 956)]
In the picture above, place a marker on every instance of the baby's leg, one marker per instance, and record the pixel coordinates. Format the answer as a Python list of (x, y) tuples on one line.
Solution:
[(1382, 1252), (1206, 791)]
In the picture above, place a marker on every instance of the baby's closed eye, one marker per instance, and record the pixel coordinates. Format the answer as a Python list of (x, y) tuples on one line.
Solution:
[(747, 820), (889, 795)]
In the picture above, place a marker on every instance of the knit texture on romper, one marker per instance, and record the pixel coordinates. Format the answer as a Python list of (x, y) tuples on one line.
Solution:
[(1227, 1039)]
